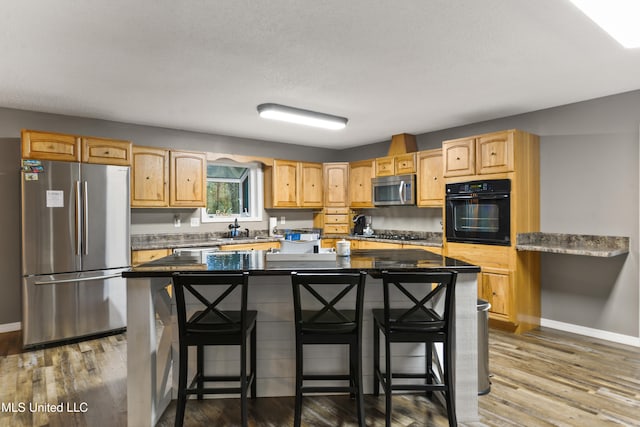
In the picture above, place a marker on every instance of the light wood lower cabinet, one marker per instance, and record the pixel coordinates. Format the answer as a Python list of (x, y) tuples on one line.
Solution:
[(495, 286), (146, 255), (251, 246)]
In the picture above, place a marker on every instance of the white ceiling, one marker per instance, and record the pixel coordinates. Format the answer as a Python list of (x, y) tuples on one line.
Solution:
[(389, 66)]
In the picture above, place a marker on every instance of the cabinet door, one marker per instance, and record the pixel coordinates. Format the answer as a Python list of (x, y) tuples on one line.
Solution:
[(311, 192), (405, 164), (187, 179), (385, 166), (495, 153), (335, 184), (496, 288), (146, 255), (106, 151), (260, 246), (50, 146), (149, 178), (459, 157), (430, 182), (360, 174), (368, 244), (285, 184)]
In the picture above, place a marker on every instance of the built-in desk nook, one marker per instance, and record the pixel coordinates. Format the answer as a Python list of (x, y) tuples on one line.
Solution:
[(152, 334)]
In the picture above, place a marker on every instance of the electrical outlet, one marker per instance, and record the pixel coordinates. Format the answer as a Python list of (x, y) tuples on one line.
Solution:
[(282, 220), (176, 221), (195, 222)]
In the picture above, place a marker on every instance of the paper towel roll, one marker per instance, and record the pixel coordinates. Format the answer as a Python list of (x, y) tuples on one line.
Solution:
[(273, 223)]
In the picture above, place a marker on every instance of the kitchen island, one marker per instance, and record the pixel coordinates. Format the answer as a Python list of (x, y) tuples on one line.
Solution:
[(152, 332)]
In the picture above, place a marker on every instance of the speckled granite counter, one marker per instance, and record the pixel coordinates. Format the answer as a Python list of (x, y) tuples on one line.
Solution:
[(184, 240), (431, 239), (573, 244)]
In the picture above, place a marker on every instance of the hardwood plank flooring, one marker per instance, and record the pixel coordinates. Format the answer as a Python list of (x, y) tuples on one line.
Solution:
[(542, 378)]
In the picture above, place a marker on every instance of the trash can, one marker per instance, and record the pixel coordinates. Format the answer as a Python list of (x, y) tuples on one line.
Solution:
[(484, 384)]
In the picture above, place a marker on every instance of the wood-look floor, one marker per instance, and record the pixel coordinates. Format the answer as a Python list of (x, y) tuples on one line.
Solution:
[(543, 378)]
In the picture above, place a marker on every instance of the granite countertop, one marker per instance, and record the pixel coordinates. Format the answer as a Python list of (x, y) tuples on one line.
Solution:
[(431, 239), (573, 244), (370, 260), (188, 240)]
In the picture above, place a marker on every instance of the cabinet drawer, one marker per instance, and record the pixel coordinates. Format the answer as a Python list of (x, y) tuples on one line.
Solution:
[(336, 211), (336, 219), (336, 228), (405, 164)]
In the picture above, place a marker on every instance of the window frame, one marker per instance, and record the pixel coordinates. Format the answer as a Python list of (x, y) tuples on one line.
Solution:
[(256, 193)]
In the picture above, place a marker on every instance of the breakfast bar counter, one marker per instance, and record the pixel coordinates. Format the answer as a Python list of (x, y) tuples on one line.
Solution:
[(152, 332)]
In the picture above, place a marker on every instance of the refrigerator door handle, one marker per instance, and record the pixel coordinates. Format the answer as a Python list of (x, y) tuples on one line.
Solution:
[(86, 219), (87, 279), (77, 223)]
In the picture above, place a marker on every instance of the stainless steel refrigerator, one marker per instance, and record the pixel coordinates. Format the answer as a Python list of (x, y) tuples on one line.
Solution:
[(75, 245)]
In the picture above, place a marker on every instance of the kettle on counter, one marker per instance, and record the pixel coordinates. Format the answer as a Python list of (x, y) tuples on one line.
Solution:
[(360, 222)]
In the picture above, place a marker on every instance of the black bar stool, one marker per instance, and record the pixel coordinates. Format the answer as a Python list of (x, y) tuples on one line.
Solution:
[(319, 321), (418, 314), (212, 326)]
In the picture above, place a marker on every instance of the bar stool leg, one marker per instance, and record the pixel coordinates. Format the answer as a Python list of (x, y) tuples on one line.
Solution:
[(254, 363), (388, 389), (359, 388), (428, 357), (243, 382), (182, 386), (448, 395), (199, 369), (376, 359), (299, 370)]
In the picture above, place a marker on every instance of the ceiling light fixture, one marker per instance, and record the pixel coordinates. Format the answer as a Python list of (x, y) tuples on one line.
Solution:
[(300, 116), (619, 18)]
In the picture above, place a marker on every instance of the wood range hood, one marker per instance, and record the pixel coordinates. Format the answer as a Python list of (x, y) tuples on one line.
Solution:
[(402, 143)]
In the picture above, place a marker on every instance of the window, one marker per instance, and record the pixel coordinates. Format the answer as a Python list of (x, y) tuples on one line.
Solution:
[(234, 190)]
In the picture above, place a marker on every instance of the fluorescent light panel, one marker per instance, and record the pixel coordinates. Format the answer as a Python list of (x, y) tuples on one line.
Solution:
[(300, 116), (619, 18)]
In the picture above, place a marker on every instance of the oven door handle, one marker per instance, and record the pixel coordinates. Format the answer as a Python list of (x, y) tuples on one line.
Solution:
[(484, 197)]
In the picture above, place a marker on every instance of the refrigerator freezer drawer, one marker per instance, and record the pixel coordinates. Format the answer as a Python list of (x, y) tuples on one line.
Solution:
[(72, 305)]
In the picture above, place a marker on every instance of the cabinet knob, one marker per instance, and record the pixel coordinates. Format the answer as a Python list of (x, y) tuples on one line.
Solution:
[(148, 177), (188, 179), (493, 153), (435, 178), (457, 158)]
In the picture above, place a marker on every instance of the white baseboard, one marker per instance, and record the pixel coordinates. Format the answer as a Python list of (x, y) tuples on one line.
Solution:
[(591, 332), (10, 327)]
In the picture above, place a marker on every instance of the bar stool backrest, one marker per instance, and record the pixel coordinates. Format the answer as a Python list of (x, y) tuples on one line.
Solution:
[(422, 301), (225, 312), (318, 300)]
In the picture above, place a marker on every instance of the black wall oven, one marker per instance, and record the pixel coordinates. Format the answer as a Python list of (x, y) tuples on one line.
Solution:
[(479, 212)]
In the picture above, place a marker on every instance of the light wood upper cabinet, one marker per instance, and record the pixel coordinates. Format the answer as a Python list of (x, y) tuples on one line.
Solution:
[(311, 188), (482, 154), (459, 157), (281, 184), (495, 153), (149, 177), (360, 174), (50, 146), (106, 151), (385, 166), (187, 179), (430, 182), (405, 164), (336, 177)]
